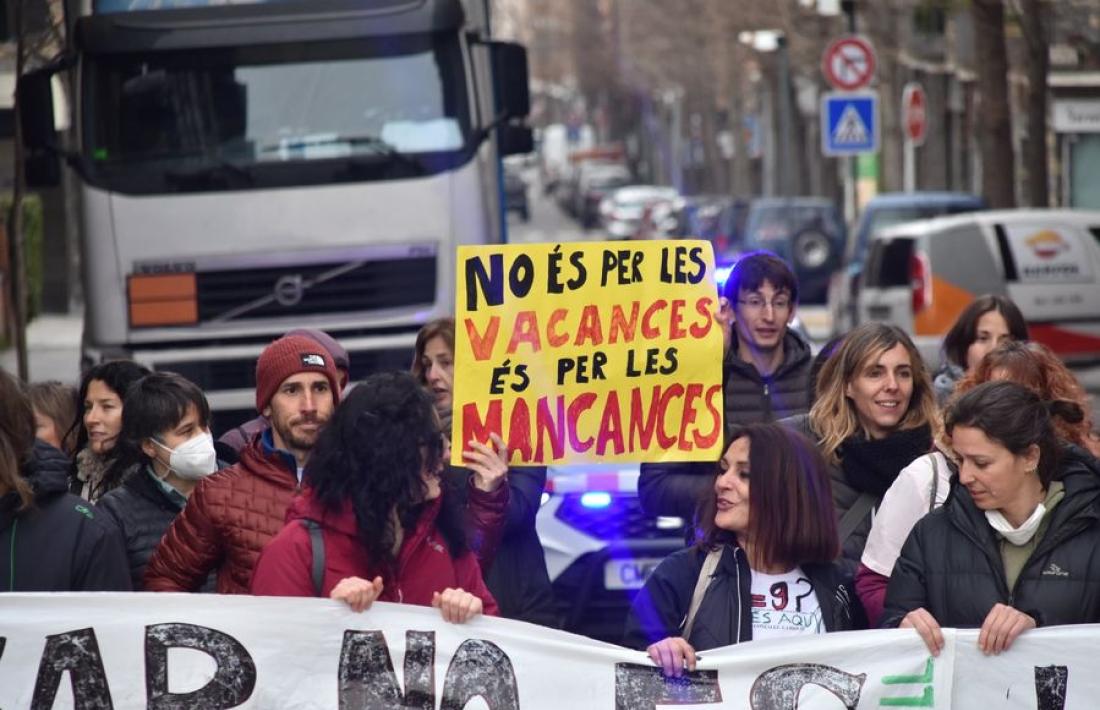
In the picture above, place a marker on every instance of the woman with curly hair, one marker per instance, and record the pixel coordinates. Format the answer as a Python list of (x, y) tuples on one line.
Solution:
[(518, 577), (873, 415), (376, 512), (923, 485)]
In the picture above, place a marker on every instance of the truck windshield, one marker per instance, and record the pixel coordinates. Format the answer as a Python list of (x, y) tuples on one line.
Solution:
[(239, 117)]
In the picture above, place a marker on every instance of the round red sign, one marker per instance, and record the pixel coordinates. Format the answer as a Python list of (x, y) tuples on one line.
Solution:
[(914, 109), (849, 63)]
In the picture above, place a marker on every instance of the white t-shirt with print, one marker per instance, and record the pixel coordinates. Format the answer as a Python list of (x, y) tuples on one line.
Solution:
[(908, 500), (784, 605)]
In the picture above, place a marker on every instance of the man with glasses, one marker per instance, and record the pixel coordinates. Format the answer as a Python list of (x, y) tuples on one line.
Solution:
[(766, 373)]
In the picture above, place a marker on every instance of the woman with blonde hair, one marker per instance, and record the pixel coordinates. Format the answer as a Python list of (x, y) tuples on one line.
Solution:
[(923, 485), (873, 415)]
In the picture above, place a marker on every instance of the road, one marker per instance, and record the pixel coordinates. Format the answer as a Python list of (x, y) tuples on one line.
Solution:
[(54, 340)]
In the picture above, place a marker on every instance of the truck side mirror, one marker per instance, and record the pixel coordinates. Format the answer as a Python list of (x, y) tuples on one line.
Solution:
[(509, 62), (41, 164), (513, 139), (35, 96)]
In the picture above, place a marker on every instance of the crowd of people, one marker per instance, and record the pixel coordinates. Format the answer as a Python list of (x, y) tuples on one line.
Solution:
[(857, 488)]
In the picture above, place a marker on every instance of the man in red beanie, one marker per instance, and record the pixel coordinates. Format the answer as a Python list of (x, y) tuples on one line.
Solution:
[(231, 442), (232, 514)]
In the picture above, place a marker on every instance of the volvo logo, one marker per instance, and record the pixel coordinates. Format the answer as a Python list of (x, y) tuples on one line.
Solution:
[(289, 290)]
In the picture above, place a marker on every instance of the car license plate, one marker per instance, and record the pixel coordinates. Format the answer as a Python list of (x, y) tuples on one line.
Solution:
[(628, 574)]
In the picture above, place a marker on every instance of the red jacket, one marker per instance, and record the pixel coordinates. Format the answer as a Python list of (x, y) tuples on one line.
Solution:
[(424, 564), (228, 519)]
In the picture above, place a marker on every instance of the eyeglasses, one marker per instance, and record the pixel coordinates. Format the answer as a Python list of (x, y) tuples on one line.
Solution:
[(755, 303)]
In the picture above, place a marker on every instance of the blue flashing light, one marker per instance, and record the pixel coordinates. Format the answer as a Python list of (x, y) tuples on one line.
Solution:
[(722, 273), (596, 499)]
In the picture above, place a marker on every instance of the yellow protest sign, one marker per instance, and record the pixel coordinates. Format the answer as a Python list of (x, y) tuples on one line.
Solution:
[(602, 351)]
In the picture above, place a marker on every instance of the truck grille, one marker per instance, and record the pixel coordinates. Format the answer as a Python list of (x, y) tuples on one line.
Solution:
[(623, 519), (343, 287)]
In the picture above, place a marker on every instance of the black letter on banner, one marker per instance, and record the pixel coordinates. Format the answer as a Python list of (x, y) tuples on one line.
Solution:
[(639, 687), (367, 680), (233, 681), (78, 653), (521, 276), (1050, 687), (778, 688), (492, 283), (480, 668)]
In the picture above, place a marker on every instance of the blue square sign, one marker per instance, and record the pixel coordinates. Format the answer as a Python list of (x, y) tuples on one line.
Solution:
[(849, 123)]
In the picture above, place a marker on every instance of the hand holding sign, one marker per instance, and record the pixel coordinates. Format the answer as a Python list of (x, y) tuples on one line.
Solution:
[(490, 466), (673, 655), (357, 592), (458, 605)]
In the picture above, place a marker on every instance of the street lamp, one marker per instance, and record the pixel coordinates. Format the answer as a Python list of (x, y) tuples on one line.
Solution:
[(776, 41)]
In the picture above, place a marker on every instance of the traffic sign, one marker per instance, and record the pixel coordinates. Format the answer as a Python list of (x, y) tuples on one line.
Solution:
[(849, 63), (849, 123), (914, 112)]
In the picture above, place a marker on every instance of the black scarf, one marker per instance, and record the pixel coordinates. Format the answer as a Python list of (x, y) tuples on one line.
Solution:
[(871, 465)]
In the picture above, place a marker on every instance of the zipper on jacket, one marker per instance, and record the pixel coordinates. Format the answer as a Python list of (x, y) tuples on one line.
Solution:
[(11, 557), (739, 605)]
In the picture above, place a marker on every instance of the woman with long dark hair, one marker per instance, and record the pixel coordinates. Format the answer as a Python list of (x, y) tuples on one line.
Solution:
[(102, 392), (1015, 545), (50, 540), (987, 322), (387, 529), (769, 533)]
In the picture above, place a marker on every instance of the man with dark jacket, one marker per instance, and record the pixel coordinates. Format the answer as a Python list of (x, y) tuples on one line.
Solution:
[(231, 515), (166, 440), (50, 539), (766, 374)]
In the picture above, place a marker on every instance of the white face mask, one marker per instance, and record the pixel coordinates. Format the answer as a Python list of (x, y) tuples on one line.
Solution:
[(194, 458), (1017, 536)]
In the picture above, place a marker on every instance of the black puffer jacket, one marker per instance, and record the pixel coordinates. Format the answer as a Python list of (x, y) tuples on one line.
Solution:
[(749, 397), (142, 512), (517, 578), (59, 544), (725, 614), (951, 564)]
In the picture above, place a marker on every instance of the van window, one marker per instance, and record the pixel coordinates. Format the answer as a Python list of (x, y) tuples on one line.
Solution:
[(888, 263)]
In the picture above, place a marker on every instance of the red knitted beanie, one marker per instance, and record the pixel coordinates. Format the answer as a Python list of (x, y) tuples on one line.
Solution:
[(288, 356)]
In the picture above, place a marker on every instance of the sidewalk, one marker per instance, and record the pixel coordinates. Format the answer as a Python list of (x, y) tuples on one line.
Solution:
[(53, 348)]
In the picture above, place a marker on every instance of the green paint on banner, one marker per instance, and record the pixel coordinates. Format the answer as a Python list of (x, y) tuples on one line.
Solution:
[(919, 701), (926, 677)]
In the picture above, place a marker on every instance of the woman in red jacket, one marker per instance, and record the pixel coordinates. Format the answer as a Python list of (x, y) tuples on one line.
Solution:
[(375, 510)]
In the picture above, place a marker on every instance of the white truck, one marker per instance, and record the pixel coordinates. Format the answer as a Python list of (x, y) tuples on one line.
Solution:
[(247, 168)]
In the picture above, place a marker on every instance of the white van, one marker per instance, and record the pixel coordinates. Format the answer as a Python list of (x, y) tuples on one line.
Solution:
[(921, 275)]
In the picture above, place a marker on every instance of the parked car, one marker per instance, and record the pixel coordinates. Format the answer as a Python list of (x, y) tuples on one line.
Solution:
[(595, 182), (881, 212), (805, 231), (921, 275), (621, 213), (600, 546), (515, 194)]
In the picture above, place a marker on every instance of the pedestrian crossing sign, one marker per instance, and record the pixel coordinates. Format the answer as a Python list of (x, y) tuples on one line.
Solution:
[(849, 123)]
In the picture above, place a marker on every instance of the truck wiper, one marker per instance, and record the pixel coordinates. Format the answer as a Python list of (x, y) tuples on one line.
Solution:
[(378, 148), (205, 174)]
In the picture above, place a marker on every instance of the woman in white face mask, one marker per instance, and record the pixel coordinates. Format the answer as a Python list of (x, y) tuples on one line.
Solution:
[(166, 448), (1014, 547)]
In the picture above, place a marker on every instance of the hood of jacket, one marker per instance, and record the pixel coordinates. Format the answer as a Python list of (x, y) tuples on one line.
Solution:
[(47, 470), (796, 353)]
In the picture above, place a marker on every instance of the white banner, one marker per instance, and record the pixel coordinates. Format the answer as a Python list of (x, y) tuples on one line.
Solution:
[(196, 651)]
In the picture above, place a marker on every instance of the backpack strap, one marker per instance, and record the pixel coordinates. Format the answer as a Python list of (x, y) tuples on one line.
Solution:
[(710, 564), (935, 483), (317, 544), (854, 516)]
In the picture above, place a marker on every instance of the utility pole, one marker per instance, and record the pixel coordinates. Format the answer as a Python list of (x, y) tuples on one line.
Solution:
[(851, 199), (784, 117), (17, 276)]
